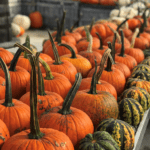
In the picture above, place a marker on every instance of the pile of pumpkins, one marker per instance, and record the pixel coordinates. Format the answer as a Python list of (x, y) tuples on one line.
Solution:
[(87, 89)]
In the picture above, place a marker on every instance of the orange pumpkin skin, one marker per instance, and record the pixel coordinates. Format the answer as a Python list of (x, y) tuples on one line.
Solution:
[(81, 64), (101, 86), (4, 133), (133, 23), (134, 52), (69, 39), (127, 60), (6, 55), (97, 106), (82, 44), (16, 118), (76, 35), (48, 142), (66, 68), (36, 19), (45, 102), (59, 84), (91, 56), (2, 88), (75, 125), (19, 80)]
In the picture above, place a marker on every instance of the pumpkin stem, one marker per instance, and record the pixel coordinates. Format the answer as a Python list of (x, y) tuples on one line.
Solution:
[(60, 28), (110, 59), (73, 54), (89, 48), (70, 96), (122, 24), (101, 42), (91, 25), (87, 34), (114, 31), (113, 47), (49, 75), (55, 51), (122, 46), (133, 37), (76, 24), (8, 92), (40, 82), (93, 82), (35, 132), (103, 61), (27, 44)]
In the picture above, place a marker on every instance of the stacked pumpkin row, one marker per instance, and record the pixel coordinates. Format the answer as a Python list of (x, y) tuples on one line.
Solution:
[(63, 101)]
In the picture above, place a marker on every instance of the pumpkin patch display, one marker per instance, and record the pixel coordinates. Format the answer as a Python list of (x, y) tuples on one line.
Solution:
[(17, 112), (36, 137), (122, 132), (68, 119)]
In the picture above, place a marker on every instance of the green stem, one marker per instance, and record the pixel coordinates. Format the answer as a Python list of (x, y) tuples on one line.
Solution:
[(40, 82), (93, 82), (87, 34), (73, 54), (15, 60), (49, 75), (103, 60), (109, 63), (35, 132), (91, 25), (27, 44), (89, 48), (101, 42), (70, 96), (122, 24), (55, 51), (122, 46), (8, 92)]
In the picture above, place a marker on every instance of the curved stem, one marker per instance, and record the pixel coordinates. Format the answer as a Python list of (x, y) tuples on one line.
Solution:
[(73, 54), (114, 31), (40, 82), (55, 51), (93, 82), (49, 75), (35, 132), (8, 92), (87, 34), (101, 42), (70, 96), (122, 24), (109, 61), (134, 37), (27, 44), (122, 46), (103, 61)]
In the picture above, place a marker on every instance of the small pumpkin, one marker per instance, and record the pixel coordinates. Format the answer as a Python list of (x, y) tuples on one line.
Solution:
[(122, 132), (141, 67), (130, 111), (36, 19), (139, 94), (98, 140)]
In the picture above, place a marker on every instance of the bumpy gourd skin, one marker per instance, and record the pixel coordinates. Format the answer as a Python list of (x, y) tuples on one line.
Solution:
[(141, 67), (139, 94), (130, 111), (99, 140), (122, 132)]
